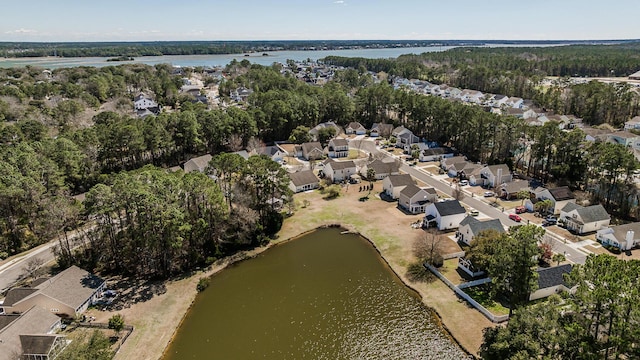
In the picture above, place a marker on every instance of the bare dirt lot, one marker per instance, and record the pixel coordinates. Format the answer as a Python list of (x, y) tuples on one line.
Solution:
[(156, 309)]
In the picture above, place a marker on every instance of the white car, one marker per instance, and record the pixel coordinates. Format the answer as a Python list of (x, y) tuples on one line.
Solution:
[(464, 182), (488, 193)]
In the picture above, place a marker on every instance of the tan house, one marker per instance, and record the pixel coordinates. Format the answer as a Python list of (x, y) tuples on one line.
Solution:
[(67, 294), (199, 164), (303, 181), (338, 148), (312, 151), (339, 171), (381, 168)]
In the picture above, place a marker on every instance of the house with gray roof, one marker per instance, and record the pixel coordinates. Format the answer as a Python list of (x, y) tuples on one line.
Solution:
[(274, 152), (470, 227), (445, 215), (582, 219), (624, 237), (415, 199), (435, 154), (338, 171), (356, 128), (329, 124), (380, 129), (551, 281), (312, 151), (511, 189), (199, 164), (381, 168), (69, 294), (392, 185), (30, 333), (448, 161), (303, 181)]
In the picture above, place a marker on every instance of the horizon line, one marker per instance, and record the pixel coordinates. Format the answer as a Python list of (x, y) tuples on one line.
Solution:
[(319, 40)]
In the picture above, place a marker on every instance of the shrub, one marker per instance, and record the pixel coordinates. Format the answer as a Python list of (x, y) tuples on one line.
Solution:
[(203, 283)]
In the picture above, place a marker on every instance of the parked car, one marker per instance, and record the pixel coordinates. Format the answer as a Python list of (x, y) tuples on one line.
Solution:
[(474, 212), (515, 217), (550, 220), (464, 182), (489, 193), (521, 210)]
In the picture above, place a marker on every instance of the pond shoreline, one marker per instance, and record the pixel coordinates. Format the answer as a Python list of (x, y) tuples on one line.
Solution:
[(238, 258)]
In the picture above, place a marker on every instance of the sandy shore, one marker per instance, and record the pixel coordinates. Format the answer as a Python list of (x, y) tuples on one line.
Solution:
[(158, 314)]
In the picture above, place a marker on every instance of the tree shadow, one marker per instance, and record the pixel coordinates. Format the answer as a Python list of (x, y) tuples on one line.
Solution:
[(132, 291)]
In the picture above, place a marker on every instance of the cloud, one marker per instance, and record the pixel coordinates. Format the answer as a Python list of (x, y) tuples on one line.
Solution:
[(21, 31), (340, 2)]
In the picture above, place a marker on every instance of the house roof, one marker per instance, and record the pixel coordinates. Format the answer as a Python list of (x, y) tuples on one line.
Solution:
[(37, 344), (267, 150), (7, 319), (16, 294), (553, 276), (303, 177), (450, 207), (310, 146), (401, 180), (341, 165), (382, 127), (355, 126), (72, 287), (383, 167), (435, 151), (339, 142), (620, 231), (478, 226), (453, 160), (494, 169), (512, 187), (36, 320), (410, 190), (200, 162), (593, 213), (242, 153), (570, 207), (561, 193)]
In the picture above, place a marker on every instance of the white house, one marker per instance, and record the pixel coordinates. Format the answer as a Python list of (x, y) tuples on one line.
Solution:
[(435, 154), (470, 227), (584, 219), (142, 102), (404, 137), (445, 162), (559, 196), (355, 128), (625, 237), (551, 281), (415, 199), (393, 184), (462, 169), (338, 148), (499, 100), (303, 181), (380, 129), (329, 124), (515, 102), (492, 176), (381, 168), (446, 215), (339, 171)]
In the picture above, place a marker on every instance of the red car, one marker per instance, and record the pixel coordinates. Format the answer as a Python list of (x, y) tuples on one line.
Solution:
[(515, 217)]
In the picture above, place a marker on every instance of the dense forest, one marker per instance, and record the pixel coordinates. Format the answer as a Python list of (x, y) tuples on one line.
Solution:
[(156, 48), (518, 71), (66, 133)]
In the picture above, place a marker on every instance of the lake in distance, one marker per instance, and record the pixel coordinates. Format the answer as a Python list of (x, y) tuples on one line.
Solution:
[(323, 296)]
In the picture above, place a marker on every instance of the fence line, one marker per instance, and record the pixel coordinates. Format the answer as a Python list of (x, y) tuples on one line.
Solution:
[(466, 297), (458, 254), (474, 283), (127, 328)]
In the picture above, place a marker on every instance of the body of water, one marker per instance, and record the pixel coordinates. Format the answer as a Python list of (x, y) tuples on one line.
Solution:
[(323, 296), (219, 60)]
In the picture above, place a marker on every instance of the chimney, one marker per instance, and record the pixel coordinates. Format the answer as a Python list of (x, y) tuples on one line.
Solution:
[(498, 177), (629, 240)]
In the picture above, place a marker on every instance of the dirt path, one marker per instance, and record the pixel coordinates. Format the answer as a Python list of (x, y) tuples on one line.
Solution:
[(160, 307)]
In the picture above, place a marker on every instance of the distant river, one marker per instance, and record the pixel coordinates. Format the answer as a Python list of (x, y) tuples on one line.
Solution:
[(323, 296), (220, 60)]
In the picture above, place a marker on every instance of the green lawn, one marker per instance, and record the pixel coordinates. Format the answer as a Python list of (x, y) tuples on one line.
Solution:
[(482, 295)]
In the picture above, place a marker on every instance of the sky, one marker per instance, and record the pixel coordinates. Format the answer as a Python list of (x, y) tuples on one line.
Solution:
[(170, 20)]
